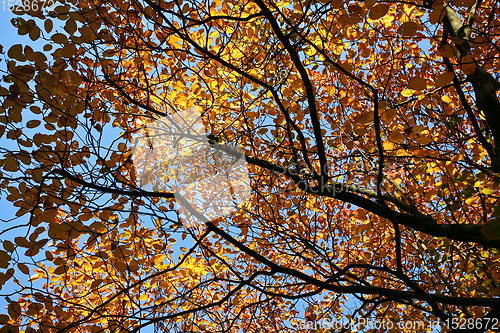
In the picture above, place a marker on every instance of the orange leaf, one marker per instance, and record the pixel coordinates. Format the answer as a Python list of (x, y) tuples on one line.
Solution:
[(446, 51), (388, 145), (369, 3), (444, 79), (4, 259), (14, 310), (60, 39), (397, 137), (464, 3), (468, 65), (388, 115), (21, 241), (408, 29), (423, 140), (33, 123), (8, 246), (378, 11), (48, 25), (23, 268), (337, 4), (16, 52), (437, 14), (417, 83)]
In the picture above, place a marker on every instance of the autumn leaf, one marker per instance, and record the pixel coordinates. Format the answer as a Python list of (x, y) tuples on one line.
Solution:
[(417, 83), (447, 51), (408, 28), (16, 52), (444, 78), (468, 64), (378, 11), (219, 166)]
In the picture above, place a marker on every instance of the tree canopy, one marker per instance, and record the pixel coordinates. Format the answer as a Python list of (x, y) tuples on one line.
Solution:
[(336, 159)]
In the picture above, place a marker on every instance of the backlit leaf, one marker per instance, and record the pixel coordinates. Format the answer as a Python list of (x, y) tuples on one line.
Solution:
[(444, 79), (447, 51), (417, 83), (378, 11)]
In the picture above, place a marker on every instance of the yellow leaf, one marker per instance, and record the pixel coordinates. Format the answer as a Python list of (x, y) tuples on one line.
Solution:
[(446, 99), (487, 191), (388, 145), (34, 277), (310, 51), (236, 53), (407, 93), (423, 140)]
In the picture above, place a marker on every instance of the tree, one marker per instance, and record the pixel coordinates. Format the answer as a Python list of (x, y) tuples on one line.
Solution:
[(370, 135)]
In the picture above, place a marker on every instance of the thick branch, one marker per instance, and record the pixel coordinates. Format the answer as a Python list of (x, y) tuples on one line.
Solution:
[(423, 223), (484, 84)]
